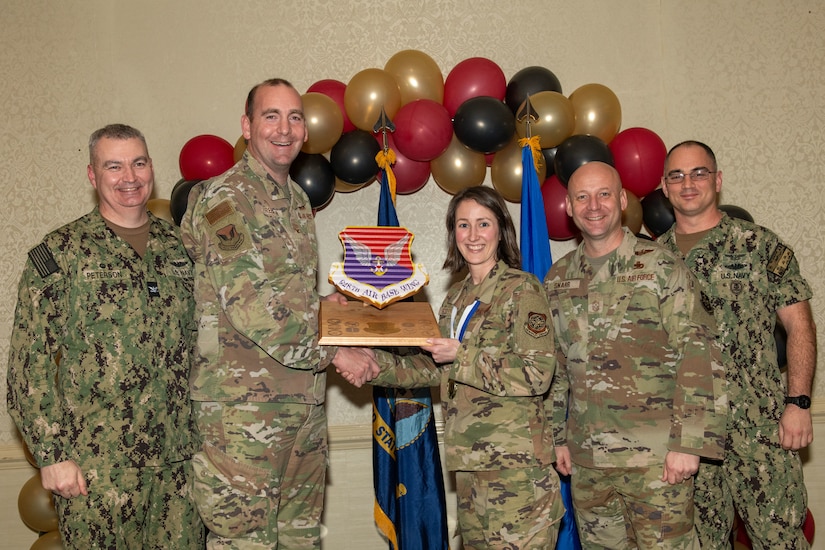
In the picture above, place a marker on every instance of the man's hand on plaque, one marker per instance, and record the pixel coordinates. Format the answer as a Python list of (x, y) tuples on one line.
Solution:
[(336, 297), (443, 350), (356, 365)]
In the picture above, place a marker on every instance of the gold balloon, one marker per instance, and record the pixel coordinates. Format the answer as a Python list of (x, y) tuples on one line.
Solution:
[(160, 208), (367, 92), (36, 506), (417, 75), (344, 187), (458, 168), (556, 118), (598, 112), (507, 171), (240, 148), (632, 216), (48, 541), (324, 121), (29, 456)]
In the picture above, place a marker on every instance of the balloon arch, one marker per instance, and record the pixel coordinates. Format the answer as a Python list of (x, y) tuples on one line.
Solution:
[(452, 129)]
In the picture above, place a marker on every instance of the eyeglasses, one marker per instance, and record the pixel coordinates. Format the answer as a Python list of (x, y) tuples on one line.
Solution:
[(697, 174)]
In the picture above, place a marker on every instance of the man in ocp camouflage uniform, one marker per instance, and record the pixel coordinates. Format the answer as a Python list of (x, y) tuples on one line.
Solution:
[(639, 388), (748, 277), (259, 379), (99, 363)]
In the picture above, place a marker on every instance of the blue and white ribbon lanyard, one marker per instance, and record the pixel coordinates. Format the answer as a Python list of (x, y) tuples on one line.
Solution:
[(457, 332)]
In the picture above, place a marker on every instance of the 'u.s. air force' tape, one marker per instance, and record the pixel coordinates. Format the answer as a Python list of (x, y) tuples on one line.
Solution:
[(43, 260)]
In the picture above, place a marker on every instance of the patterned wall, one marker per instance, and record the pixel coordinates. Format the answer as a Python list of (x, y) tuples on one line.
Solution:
[(744, 76)]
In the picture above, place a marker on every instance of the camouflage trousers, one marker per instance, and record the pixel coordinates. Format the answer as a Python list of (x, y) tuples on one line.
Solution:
[(513, 509), (259, 478), (626, 508), (133, 509), (760, 480)]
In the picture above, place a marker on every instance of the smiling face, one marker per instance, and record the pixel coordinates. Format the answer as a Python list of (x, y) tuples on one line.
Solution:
[(277, 129), (595, 200), (121, 172), (692, 198), (477, 237)]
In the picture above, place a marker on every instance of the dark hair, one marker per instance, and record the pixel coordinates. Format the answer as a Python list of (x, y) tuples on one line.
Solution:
[(508, 250), (693, 143), (250, 98), (114, 131)]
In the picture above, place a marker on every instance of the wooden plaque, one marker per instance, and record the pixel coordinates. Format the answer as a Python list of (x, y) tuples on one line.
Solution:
[(359, 324)]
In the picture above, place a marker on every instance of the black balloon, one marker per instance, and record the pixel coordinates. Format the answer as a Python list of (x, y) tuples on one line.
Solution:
[(657, 212), (529, 81), (576, 151), (484, 124), (353, 157), (736, 212), (179, 198), (549, 155), (315, 176)]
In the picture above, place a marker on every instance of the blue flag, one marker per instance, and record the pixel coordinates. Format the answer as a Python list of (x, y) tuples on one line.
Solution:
[(536, 259), (410, 503), (535, 240)]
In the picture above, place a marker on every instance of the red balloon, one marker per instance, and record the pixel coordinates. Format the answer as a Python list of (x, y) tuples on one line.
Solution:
[(334, 89), (205, 156), (423, 130), (473, 77), (808, 527), (560, 226), (639, 157), (410, 175)]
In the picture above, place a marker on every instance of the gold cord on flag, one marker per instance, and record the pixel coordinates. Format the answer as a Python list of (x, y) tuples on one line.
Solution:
[(535, 147), (385, 160)]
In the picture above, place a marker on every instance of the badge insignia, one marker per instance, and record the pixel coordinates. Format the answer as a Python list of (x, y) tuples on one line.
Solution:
[(43, 260), (537, 324), (153, 288), (780, 260), (229, 238), (377, 266)]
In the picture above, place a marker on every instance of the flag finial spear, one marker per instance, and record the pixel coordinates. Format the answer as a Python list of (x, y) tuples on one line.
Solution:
[(528, 116), (384, 125)]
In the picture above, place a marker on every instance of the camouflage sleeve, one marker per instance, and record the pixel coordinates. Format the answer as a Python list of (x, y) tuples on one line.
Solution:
[(558, 397), (271, 301), (414, 370), (511, 352), (557, 401), (33, 399), (700, 407)]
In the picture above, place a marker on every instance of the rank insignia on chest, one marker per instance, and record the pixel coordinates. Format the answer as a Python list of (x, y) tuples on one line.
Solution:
[(153, 288)]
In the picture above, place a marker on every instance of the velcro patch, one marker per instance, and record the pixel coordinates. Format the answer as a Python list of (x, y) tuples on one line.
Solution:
[(536, 325), (43, 260), (780, 260), (221, 211)]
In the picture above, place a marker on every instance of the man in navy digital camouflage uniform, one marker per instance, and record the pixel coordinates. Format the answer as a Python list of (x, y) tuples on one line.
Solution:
[(749, 277), (99, 363)]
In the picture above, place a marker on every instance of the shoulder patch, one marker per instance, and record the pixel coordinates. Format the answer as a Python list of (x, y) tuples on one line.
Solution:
[(43, 260), (221, 211), (780, 260), (536, 325)]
